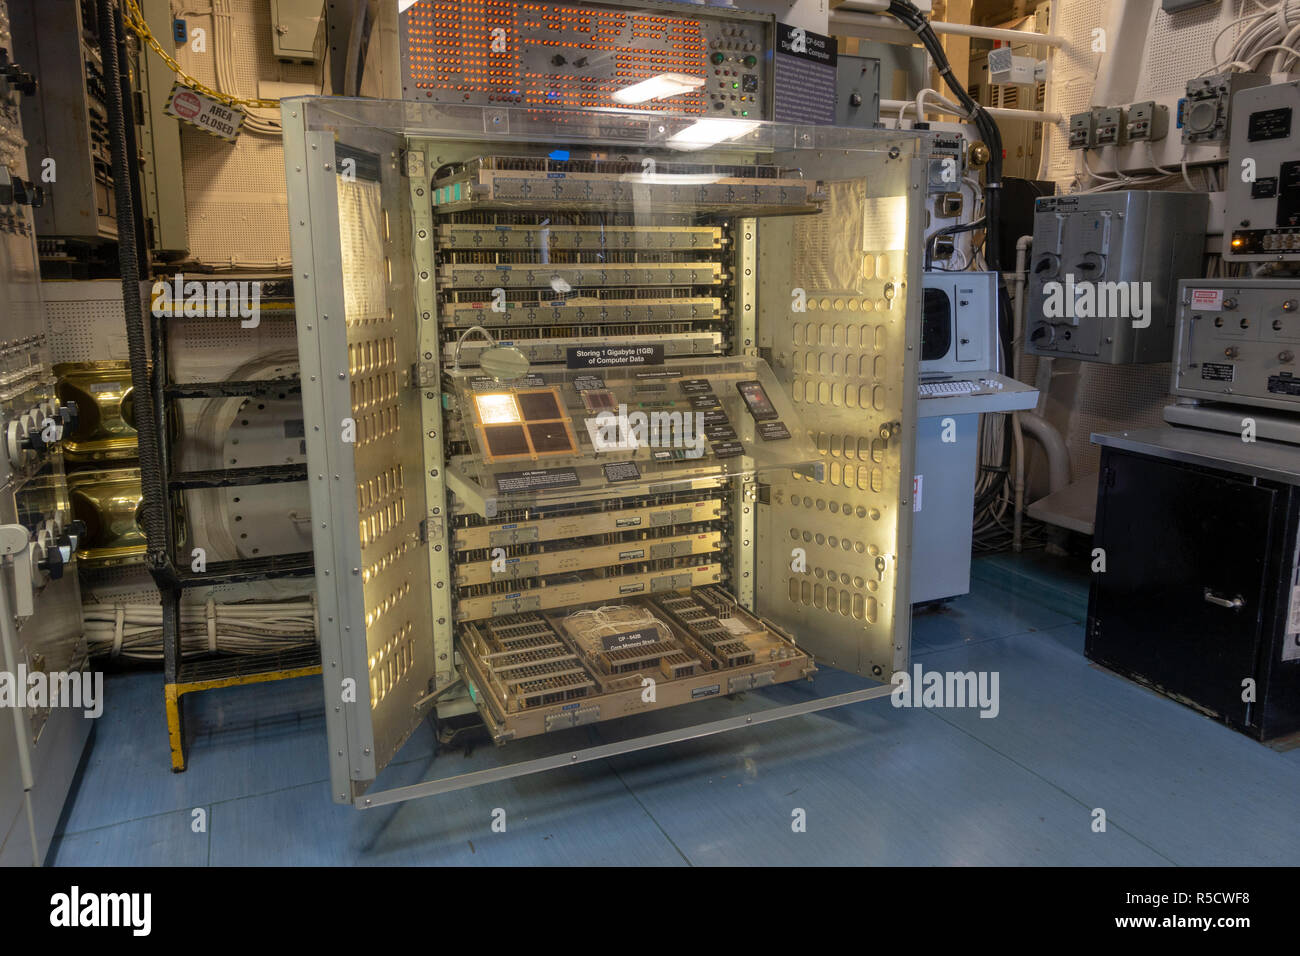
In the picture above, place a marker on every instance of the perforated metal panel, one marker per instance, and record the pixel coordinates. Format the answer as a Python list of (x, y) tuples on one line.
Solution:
[(86, 320), (849, 364), (235, 194), (1177, 48), (387, 458), (1074, 72)]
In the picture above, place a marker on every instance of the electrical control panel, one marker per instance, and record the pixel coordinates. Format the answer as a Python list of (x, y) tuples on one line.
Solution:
[(641, 54), (1204, 114), (41, 631), (1104, 273), (1263, 206), (67, 119), (950, 197), (1238, 340), (857, 91)]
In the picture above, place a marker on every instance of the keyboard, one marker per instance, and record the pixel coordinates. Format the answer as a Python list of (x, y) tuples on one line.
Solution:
[(957, 386), (952, 387)]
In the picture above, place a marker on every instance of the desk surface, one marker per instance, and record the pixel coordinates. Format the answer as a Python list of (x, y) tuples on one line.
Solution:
[(1262, 459)]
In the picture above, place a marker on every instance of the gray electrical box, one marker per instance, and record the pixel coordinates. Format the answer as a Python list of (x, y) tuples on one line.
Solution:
[(1105, 271), (1205, 113), (66, 124), (1238, 340), (298, 30), (857, 91), (1263, 211)]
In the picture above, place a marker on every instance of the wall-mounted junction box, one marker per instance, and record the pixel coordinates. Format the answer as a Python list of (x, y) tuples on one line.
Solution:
[(1105, 271)]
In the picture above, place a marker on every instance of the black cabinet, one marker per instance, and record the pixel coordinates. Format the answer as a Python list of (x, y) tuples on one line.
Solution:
[(1197, 593)]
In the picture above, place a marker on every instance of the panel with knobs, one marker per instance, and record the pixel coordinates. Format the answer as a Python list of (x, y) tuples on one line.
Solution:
[(1237, 341)]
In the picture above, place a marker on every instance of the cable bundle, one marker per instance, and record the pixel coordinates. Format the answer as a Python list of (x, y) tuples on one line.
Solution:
[(1274, 29), (134, 631)]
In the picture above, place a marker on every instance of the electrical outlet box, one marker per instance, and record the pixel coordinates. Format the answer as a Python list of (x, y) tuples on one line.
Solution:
[(1206, 112), (1110, 126), (298, 30), (1006, 67), (1083, 130), (1147, 120)]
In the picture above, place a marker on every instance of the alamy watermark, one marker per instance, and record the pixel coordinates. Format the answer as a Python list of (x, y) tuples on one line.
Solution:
[(219, 298), (1085, 299), (936, 689), (39, 690), (656, 429), (74, 909)]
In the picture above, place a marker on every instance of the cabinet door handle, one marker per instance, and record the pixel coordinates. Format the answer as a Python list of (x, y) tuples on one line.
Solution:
[(1230, 603)]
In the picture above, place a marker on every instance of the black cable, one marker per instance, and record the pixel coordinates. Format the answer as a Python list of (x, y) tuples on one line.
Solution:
[(934, 237), (151, 478), (915, 21)]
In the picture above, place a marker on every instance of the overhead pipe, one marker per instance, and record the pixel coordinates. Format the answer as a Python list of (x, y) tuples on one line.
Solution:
[(858, 15), (998, 112)]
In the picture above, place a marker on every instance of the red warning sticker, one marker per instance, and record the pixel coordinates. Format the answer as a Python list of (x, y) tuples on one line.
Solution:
[(1207, 300)]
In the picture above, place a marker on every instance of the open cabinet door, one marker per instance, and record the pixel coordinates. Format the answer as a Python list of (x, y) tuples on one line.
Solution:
[(349, 211), (839, 320)]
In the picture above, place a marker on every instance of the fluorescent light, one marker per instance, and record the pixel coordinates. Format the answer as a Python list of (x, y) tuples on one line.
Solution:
[(709, 132), (658, 88)]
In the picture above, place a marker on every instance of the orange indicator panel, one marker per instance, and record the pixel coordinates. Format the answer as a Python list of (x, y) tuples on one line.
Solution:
[(561, 56)]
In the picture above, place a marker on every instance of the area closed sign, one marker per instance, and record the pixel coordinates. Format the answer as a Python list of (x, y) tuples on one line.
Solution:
[(204, 112)]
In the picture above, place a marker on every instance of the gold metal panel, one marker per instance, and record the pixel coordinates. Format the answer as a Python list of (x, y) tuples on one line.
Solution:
[(108, 501), (105, 421), (837, 291), (387, 453)]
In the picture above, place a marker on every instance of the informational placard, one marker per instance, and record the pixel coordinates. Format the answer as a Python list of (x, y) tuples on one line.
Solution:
[(805, 68), (617, 471), (514, 482), (204, 112), (614, 642), (613, 356), (773, 431), (481, 383)]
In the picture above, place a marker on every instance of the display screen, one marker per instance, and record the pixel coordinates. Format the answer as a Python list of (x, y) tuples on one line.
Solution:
[(756, 400)]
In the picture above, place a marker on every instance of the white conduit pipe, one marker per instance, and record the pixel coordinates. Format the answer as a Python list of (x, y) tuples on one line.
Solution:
[(997, 112), (1017, 330), (1058, 455), (854, 15)]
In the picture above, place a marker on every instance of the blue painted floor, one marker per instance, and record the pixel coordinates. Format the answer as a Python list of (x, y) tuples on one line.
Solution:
[(877, 784)]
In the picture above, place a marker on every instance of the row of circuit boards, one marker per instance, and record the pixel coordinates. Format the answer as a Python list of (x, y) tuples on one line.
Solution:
[(538, 672), (588, 554)]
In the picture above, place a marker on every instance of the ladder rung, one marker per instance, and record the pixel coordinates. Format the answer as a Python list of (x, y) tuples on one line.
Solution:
[(232, 477), (251, 388), (297, 564)]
